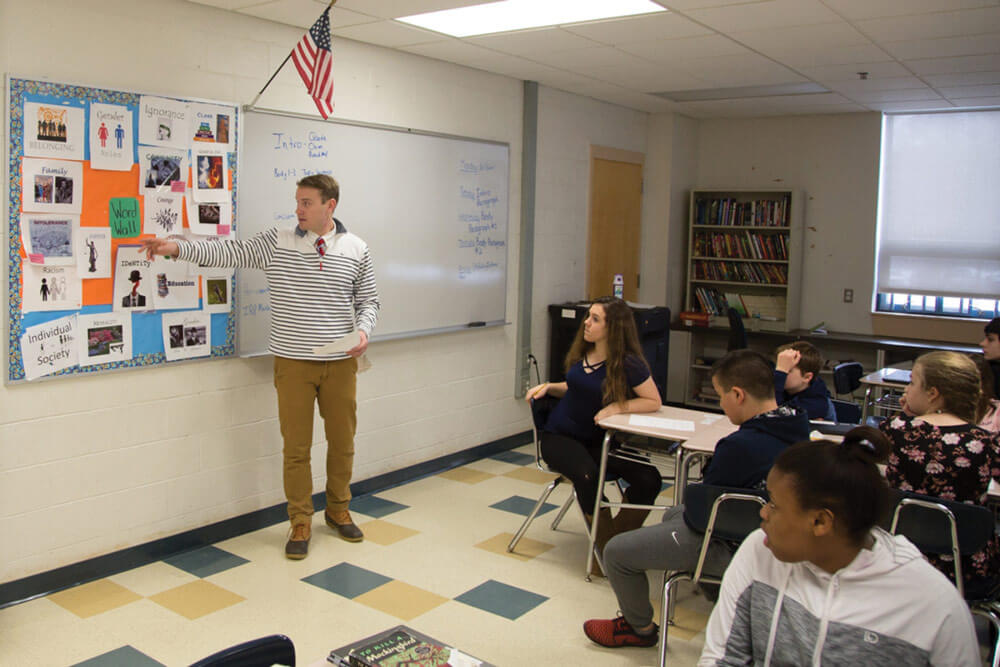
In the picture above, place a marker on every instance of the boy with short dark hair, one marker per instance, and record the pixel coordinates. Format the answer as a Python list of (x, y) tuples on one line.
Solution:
[(991, 350), (797, 381), (744, 382)]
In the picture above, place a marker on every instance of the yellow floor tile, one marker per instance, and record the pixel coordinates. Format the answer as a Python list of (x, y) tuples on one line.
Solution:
[(401, 600), (527, 548), (533, 475), (94, 598), (467, 475), (386, 533), (196, 599), (687, 623)]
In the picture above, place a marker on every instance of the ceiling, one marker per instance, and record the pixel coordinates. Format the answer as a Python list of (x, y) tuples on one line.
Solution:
[(918, 54)]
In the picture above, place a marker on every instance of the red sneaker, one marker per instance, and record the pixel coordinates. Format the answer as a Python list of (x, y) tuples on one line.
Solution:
[(617, 632)]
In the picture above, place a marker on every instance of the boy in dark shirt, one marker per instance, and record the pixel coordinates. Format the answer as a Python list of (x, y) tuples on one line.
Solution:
[(797, 381), (744, 382)]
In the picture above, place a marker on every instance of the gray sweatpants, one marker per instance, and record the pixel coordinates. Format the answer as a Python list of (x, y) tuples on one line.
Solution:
[(670, 545)]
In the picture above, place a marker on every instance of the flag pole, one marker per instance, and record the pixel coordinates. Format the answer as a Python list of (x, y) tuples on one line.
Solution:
[(283, 63)]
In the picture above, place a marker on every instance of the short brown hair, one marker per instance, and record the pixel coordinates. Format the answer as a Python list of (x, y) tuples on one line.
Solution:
[(956, 378), (811, 360), (748, 370), (328, 186)]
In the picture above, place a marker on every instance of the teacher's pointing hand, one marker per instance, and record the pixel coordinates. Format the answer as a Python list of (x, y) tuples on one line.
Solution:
[(158, 246)]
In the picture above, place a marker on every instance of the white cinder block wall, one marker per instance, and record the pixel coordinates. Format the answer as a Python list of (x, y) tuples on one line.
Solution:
[(91, 465)]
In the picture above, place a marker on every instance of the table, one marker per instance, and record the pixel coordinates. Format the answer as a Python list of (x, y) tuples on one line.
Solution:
[(695, 443), (876, 382)]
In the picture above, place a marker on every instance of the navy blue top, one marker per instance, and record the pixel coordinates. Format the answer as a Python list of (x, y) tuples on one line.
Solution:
[(743, 458), (573, 415), (814, 399)]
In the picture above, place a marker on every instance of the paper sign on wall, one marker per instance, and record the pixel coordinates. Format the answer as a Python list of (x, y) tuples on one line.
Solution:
[(133, 280), (51, 186), (104, 338), (93, 253), (210, 181), (163, 122), (48, 288), (211, 124), (216, 292), (49, 347), (53, 130), (175, 287), (123, 217), (187, 334), (163, 213), (210, 218), (160, 168), (111, 137), (48, 239)]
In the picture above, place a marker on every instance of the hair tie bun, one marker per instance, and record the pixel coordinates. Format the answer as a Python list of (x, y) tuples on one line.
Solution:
[(864, 442)]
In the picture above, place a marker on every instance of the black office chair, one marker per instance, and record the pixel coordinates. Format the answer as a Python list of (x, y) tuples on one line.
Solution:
[(847, 378), (721, 512), (263, 652), (950, 528), (737, 332), (541, 408)]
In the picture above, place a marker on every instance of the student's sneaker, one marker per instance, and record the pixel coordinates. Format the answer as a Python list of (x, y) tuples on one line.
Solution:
[(617, 632)]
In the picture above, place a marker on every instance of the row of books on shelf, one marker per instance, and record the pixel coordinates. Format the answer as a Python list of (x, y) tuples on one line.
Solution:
[(741, 272), (706, 392), (729, 211), (748, 245), (716, 302)]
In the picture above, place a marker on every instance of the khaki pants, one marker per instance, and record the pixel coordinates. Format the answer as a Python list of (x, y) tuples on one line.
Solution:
[(300, 384)]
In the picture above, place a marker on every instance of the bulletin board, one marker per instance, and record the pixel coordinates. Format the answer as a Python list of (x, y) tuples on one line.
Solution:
[(90, 172)]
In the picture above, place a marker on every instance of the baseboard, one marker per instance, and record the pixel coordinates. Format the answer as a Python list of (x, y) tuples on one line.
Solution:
[(44, 583)]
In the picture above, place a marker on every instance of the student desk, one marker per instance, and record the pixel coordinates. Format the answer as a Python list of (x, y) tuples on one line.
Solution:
[(695, 443), (875, 386)]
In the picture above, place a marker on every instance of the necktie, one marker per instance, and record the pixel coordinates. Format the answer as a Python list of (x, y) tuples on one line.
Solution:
[(321, 249)]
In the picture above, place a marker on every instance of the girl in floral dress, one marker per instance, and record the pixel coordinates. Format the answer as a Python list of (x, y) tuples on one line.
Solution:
[(938, 450)]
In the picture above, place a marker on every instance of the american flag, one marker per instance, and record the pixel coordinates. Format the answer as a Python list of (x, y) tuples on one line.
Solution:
[(314, 61)]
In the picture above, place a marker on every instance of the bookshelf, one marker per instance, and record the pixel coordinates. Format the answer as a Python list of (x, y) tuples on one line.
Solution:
[(745, 251)]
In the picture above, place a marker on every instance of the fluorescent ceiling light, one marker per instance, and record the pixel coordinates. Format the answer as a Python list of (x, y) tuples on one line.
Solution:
[(520, 14)]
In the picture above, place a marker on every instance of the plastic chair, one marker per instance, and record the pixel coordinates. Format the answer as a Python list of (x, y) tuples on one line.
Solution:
[(263, 652), (946, 527), (848, 412), (541, 408), (737, 332), (847, 377), (722, 512)]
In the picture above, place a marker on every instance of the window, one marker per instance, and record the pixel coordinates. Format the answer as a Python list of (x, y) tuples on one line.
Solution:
[(938, 246)]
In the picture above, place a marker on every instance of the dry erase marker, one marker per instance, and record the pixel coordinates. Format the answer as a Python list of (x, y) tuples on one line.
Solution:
[(477, 324)]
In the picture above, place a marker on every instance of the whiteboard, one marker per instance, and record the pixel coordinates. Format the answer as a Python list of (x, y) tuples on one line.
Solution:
[(433, 210)]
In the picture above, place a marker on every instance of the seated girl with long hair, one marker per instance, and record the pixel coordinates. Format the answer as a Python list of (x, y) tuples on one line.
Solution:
[(606, 374), (938, 450), (820, 583)]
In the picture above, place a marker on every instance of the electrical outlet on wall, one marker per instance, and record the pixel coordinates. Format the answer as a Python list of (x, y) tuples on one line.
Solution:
[(848, 295)]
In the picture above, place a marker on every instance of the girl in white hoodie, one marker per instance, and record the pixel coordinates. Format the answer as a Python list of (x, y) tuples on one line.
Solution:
[(819, 583)]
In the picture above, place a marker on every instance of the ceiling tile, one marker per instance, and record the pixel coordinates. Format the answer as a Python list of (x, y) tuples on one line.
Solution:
[(849, 71), (649, 78), (986, 63), (764, 15), (913, 95), (453, 50), (933, 26), (977, 102), (231, 5), (388, 33), (638, 28), (858, 87), (391, 9), (819, 36), (585, 59), (962, 79), (743, 70), (856, 10), (684, 5), (911, 106), (670, 50), (529, 42), (823, 57), (303, 13), (971, 91), (944, 48)]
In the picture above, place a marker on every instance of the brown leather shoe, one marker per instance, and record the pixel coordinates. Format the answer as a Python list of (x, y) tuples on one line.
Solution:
[(297, 546), (342, 523)]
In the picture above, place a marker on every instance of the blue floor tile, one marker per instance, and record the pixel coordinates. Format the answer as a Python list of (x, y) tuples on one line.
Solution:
[(521, 505), (347, 580), (126, 656), (205, 561), (500, 599), (517, 458), (376, 507)]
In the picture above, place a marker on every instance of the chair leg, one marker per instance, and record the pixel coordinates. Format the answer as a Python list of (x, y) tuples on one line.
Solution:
[(992, 615), (670, 580), (565, 508), (531, 517)]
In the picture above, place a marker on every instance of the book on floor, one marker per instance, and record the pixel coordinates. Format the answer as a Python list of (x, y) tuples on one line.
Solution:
[(399, 648)]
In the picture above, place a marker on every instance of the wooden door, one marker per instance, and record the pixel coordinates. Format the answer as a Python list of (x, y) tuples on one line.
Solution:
[(615, 210)]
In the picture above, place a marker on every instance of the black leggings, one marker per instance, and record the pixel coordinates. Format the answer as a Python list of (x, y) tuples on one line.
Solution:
[(580, 464)]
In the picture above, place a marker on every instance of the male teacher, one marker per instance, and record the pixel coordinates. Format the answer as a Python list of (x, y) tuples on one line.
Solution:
[(322, 287)]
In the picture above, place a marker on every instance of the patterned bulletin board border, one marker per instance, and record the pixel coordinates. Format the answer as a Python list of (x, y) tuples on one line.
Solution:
[(146, 326)]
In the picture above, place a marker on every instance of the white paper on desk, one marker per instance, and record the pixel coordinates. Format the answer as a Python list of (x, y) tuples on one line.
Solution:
[(342, 344), (661, 423), (711, 419)]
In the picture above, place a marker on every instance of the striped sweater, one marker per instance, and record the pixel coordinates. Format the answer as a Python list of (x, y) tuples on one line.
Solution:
[(312, 302)]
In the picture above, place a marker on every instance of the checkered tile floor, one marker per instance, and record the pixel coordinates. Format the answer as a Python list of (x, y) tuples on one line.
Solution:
[(434, 557)]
